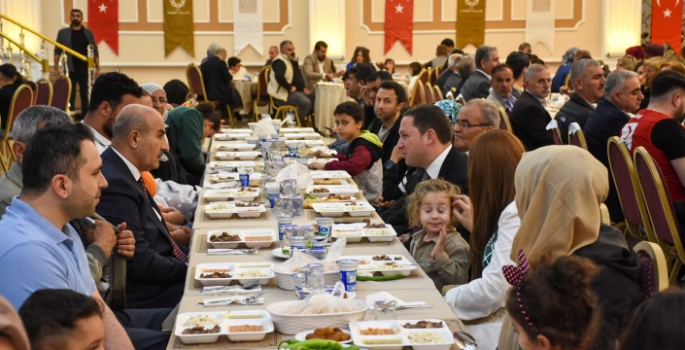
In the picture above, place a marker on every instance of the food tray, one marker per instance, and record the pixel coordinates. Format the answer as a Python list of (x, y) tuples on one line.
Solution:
[(339, 209), (333, 182), (329, 174), (226, 320), (285, 281), (232, 136), (244, 155), (229, 194), (293, 324), (229, 146), (302, 136), (367, 264), (297, 130), (308, 143), (237, 272), (231, 179), (341, 190), (244, 236), (223, 165), (356, 231), (402, 337)]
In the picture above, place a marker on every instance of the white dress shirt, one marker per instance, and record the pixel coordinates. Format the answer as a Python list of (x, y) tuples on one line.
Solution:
[(434, 169), (101, 142)]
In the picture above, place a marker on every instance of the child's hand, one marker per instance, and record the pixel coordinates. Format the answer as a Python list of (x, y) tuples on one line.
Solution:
[(462, 210), (440, 244), (404, 237), (318, 154), (317, 166)]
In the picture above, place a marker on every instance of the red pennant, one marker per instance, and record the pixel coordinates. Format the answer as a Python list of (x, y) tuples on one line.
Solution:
[(103, 20), (399, 23), (666, 22)]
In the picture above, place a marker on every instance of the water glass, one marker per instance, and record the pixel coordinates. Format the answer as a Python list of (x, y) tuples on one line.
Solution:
[(283, 207), (297, 203), (288, 188), (314, 276), (383, 311), (298, 243)]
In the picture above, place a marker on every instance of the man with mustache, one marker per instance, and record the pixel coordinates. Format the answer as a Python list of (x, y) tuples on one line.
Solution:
[(77, 37), (156, 273), (286, 82), (529, 118), (588, 81)]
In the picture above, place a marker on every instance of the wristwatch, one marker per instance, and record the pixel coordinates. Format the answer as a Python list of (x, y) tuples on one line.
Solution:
[(389, 165)]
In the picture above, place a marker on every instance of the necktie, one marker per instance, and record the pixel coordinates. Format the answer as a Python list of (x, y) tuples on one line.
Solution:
[(178, 253), (425, 176)]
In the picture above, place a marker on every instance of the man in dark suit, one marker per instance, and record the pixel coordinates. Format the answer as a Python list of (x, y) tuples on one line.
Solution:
[(519, 62), (390, 100), (156, 273), (450, 78), (478, 84), (425, 142), (217, 82), (588, 81), (529, 118), (622, 95)]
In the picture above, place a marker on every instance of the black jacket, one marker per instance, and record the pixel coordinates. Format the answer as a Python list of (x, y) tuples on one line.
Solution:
[(476, 86), (615, 285), (529, 121), (279, 73), (574, 110), (606, 121), (451, 81), (6, 94), (454, 170), (155, 278), (391, 139), (217, 80)]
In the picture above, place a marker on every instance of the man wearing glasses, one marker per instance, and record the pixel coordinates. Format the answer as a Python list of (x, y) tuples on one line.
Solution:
[(475, 118)]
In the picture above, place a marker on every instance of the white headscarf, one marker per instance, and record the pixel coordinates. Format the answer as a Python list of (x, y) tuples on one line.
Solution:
[(152, 87)]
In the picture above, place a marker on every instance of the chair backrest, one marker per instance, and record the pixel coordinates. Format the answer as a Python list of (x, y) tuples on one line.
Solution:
[(576, 137), (416, 98), (431, 76), (629, 192), (422, 92), (21, 100), (556, 136), (423, 75), (659, 205), (262, 85), (195, 82), (461, 100), (428, 93), (43, 92), (438, 71), (437, 93), (61, 92), (504, 122), (653, 268)]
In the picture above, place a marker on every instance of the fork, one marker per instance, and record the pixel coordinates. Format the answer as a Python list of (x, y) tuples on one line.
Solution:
[(220, 289), (250, 251)]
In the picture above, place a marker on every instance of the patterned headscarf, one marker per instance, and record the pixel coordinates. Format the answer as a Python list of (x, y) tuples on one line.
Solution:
[(568, 55), (451, 109)]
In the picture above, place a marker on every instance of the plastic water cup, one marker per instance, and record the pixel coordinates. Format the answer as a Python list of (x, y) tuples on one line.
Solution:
[(315, 276), (244, 180), (325, 227), (297, 204), (298, 243), (273, 192), (283, 221), (292, 151), (348, 273), (288, 188), (318, 249)]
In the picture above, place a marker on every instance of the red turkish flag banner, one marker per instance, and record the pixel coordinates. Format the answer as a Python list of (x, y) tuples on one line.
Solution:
[(103, 21), (399, 23), (667, 16)]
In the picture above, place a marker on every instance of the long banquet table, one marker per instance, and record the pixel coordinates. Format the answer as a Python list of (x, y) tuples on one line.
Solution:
[(415, 287)]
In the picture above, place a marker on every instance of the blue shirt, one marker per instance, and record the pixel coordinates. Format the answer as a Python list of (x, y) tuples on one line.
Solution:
[(35, 254)]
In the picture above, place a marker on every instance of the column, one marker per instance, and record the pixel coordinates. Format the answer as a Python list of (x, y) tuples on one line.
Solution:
[(621, 25), (327, 23)]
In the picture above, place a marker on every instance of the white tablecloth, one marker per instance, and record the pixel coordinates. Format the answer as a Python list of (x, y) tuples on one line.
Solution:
[(247, 91), (328, 96)]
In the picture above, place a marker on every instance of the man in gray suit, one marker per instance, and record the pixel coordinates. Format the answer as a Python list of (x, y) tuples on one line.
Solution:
[(478, 84), (318, 67)]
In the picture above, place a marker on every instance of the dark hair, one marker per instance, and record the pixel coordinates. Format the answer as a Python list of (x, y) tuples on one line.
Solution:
[(49, 315), (400, 92), (176, 92), (209, 113), (665, 82), (284, 43), (657, 323), (351, 108), (447, 42), (524, 45), (518, 61), (76, 10), (362, 71), (415, 68), (427, 117), (501, 67), (319, 45), (558, 300), (483, 53), (111, 88), (534, 59), (383, 76), (365, 53), (53, 150), (232, 61), (10, 71)]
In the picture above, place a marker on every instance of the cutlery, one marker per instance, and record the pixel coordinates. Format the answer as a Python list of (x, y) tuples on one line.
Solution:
[(223, 289), (253, 299), (250, 251), (465, 341)]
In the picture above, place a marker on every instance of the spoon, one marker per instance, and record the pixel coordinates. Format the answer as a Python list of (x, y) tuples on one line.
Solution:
[(465, 340)]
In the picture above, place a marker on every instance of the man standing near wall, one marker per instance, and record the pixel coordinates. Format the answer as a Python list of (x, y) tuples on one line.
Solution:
[(77, 37)]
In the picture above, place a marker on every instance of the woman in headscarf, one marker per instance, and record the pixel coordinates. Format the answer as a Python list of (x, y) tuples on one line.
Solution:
[(211, 52), (159, 101), (564, 69), (559, 190)]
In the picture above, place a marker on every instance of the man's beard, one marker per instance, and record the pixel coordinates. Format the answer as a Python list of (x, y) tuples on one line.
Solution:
[(293, 57), (75, 23), (107, 129)]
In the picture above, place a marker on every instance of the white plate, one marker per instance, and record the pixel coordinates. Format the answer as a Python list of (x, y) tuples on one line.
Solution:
[(266, 323), (244, 234), (302, 136), (297, 130), (341, 190), (237, 272), (405, 267), (228, 146), (403, 335), (220, 210), (181, 320), (231, 194), (329, 174), (338, 209), (278, 252), (302, 336), (231, 136), (308, 143), (250, 212)]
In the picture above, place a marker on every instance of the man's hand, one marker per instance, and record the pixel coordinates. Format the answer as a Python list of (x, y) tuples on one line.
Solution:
[(306, 91), (103, 235), (340, 73), (181, 235), (126, 243), (329, 76), (396, 155), (173, 216), (293, 88), (97, 72), (57, 71), (385, 204)]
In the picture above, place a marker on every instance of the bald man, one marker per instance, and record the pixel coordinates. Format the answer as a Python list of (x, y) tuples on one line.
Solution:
[(156, 273)]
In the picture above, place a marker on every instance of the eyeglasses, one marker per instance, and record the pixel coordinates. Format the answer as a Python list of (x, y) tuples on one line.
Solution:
[(161, 100), (465, 125)]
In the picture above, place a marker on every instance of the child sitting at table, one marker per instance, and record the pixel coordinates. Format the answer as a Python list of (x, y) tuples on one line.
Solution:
[(553, 306), (363, 159), (439, 249)]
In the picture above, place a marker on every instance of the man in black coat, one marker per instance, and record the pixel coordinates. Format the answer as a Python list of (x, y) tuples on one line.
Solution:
[(529, 118), (425, 142), (477, 85), (156, 273), (390, 100), (217, 81), (622, 95), (588, 81), (450, 78)]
